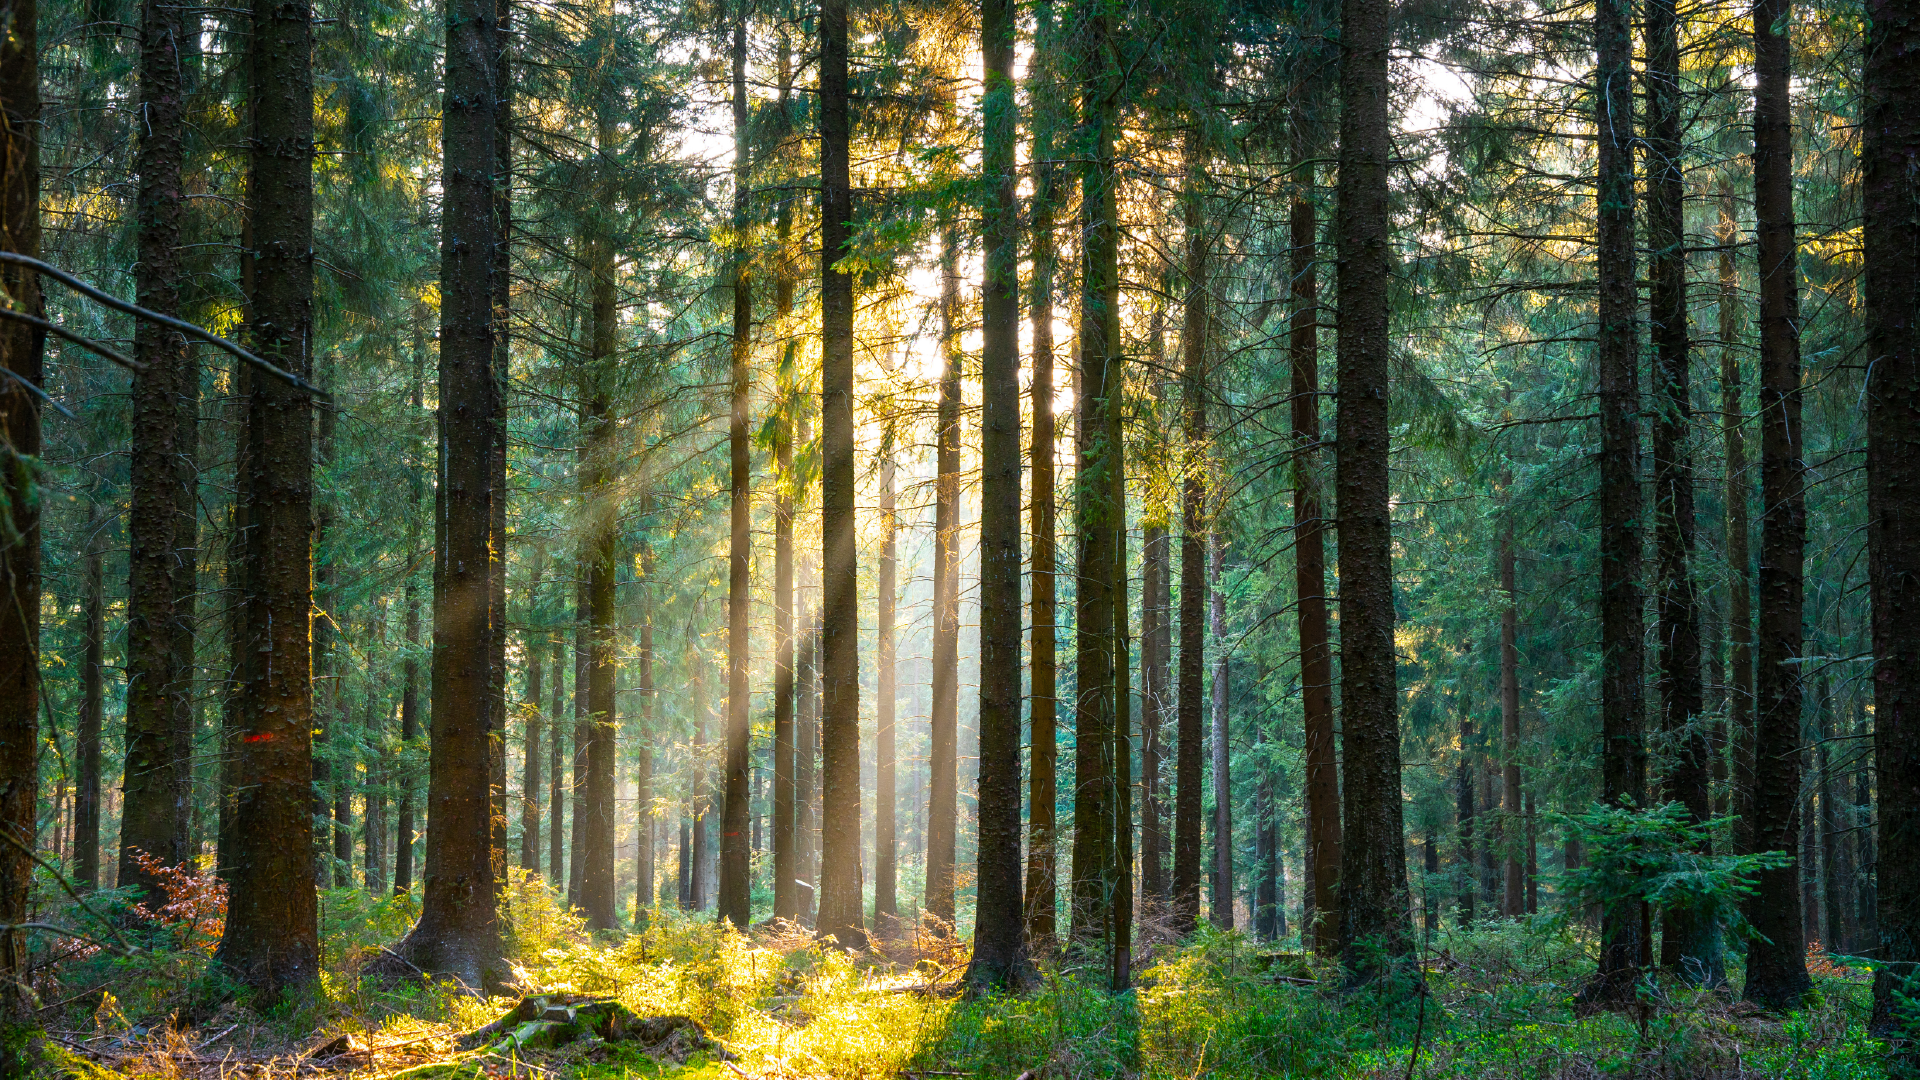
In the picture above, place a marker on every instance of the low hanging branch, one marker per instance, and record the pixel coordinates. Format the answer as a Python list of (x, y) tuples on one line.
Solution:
[(81, 340), (169, 321)]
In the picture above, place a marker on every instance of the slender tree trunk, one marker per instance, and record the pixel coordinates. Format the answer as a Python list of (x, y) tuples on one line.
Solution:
[(1890, 165), (1189, 795), (1155, 667), (21, 352), (530, 774), (271, 938), (1739, 573), (86, 741), (1222, 747), (403, 824), (157, 784), (736, 891), (1265, 863), (582, 707), (1043, 759), (999, 946), (500, 285), (1098, 521), (943, 752), (1120, 960), (1776, 959), (556, 764), (1515, 893), (1833, 840), (1466, 818), (1310, 559), (886, 797), (1623, 754), (1373, 871), (840, 915), (458, 933), (596, 810), (786, 904), (644, 894), (1491, 837), (805, 757)]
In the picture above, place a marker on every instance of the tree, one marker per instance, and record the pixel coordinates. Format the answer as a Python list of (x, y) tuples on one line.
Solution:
[(943, 762), (458, 932), (1222, 907), (158, 781), (999, 947), (1889, 158), (1777, 957), (21, 347), (786, 902), (1623, 752), (736, 894), (886, 884), (1309, 550), (1373, 872), (270, 940), (1189, 739), (839, 915)]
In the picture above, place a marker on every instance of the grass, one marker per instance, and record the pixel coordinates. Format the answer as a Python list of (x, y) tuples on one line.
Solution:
[(1220, 1006)]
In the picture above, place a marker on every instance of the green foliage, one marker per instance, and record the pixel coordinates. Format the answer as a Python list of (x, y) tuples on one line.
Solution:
[(1660, 857)]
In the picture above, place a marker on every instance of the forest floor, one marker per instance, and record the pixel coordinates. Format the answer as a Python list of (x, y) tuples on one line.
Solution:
[(780, 1007)]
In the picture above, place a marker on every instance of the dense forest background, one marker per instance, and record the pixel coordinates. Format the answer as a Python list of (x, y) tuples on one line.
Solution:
[(1039, 476)]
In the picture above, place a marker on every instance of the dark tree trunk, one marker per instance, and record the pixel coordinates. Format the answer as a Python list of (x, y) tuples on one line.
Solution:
[(458, 933), (1222, 746), (1776, 959), (806, 746), (999, 946), (840, 914), (597, 809), (736, 892), (1099, 520), (645, 818), (1515, 892), (1120, 959), (1155, 670), (886, 796), (556, 765), (86, 740), (1373, 870), (406, 781), (1739, 572), (271, 938), (1310, 563), (1687, 941), (500, 286), (1466, 818), (943, 748), (582, 708), (1042, 791), (1833, 839), (21, 349), (1622, 619), (1265, 864), (1190, 737), (156, 805), (1890, 165), (530, 769), (374, 827), (1429, 910), (1491, 835)]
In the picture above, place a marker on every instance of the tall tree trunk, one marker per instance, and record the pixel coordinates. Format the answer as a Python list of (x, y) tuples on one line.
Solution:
[(1777, 959), (374, 849), (1189, 794), (1515, 893), (840, 914), (1098, 521), (701, 784), (999, 946), (500, 286), (1265, 864), (458, 933), (1890, 167), (271, 937), (786, 904), (1833, 838), (1310, 558), (643, 888), (1466, 818), (1623, 753), (736, 892), (597, 808), (582, 707), (886, 795), (1739, 572), (556, 765), (156, 805), (1688, 941), (1155, 668), (806, 746), (1491, 837), (1120, 958), (1042, 884), (1373, 870), (403, 824), (86, 740), (1222, 749), (21, 349), (531, 707), (943, 748)]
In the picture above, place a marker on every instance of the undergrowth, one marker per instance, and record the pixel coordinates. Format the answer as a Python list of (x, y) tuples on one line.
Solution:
[(1497, 1005)]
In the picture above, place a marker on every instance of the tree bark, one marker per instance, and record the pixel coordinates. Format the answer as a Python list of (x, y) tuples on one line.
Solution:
[(1623, 754), (1515, 891), (156, 805), (1098, 521), (1222, 750), (999, 946), (86, 740), (886, 796), (1890, 165), (736, 891), (943, 746), (839, 913), (1776, 959), (1189, 791), (1466, 819), (1739, 572), (1155, 671), (1043, 759), (458, 933), (403, 824), (1310, 559), (21, 352), (531, 708), (806, 748), (1373, 871), (643, 888), (596, 808), (270, 941), (556, 765)]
